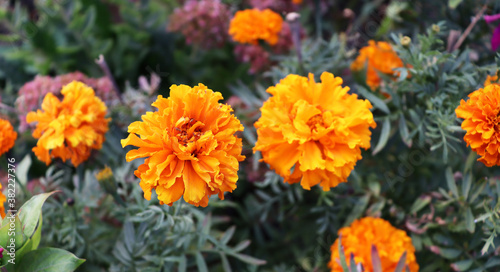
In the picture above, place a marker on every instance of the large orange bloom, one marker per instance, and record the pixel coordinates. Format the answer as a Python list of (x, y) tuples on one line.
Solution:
[(358, 238), (189, 145), (377, 57), (315, 128), (252, 25), (7, 136), (71, 128), (481, 114)]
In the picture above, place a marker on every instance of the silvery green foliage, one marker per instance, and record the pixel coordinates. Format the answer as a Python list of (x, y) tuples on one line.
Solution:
[(317, 56), (177, 238), (424, 96)]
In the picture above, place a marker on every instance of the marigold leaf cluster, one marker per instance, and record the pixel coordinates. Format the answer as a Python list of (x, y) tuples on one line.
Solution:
[(251, 25), (71, 128), (358, 238), (377, 57), (7, 136), (481, 119), (318, 129), (189, 146)]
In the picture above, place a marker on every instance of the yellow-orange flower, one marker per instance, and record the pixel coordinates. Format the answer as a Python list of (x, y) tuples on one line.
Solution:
[(481, 123), (71, 128), (491, 80), (3, 198), (297, 2), (358, 238), (189, 145), (315, 128), (252, 25), (377, 57), (7, 136)]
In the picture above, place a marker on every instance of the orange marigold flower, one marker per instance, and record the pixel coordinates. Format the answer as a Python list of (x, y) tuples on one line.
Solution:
[(297, 2), (189, 145), (7, 136), (491, 80), (481, 118), (362, 234), (252, 25), (377, 57), (315, 128), (3, 198), (71, 128)]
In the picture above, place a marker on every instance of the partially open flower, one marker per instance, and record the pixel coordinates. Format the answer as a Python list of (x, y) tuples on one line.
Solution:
[(377, 57), (359, 238), (189, 146)]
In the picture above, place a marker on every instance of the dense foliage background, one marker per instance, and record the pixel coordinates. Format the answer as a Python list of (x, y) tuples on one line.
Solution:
[(419, 173)]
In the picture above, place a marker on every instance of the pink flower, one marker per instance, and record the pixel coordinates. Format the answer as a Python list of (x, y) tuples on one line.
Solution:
[(203, 23), (255, 55), (495, 39)]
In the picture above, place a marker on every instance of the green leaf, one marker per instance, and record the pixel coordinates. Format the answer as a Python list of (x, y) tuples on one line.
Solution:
[(358, 210), (454, 3), (469, 221), (225, 263), (384, 136), (466, 185), (200, 263), (228, 235), (31, 211), (419, 204), (377, 102), (248, 259), (449, 253), (471, 159), (463, 265), (49, 260), (450, 180), (22, 170), (343, 262), (404, 132), (12, 230)]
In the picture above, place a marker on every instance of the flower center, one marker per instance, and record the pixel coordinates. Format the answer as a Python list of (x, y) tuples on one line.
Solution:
[(188, 130), (315, 120)]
